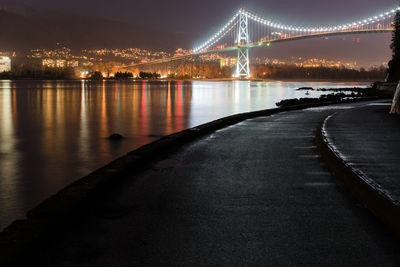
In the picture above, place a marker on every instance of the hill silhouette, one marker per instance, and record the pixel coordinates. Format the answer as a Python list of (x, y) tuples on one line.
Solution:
[(21, 31)]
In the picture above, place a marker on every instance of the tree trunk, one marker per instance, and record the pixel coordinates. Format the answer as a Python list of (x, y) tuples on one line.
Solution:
[(396, 101)]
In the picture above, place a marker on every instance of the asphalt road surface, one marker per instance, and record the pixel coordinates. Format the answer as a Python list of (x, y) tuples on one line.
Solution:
[(253, 194)]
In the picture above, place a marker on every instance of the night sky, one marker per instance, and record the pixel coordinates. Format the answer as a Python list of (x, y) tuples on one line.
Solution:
[(202, 18)]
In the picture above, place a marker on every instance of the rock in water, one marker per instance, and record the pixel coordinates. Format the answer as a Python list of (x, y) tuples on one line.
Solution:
[(115, 136), (396, 101)]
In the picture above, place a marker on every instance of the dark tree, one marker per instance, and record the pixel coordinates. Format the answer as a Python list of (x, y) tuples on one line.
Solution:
[(149, 75), (123, 75), (394, 63), (96, 76)]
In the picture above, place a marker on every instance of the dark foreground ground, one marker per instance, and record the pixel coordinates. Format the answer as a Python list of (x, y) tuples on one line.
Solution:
[(252, 194)]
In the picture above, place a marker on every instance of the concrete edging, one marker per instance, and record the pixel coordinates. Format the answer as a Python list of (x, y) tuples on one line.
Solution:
[(61, 209), (363, 188)]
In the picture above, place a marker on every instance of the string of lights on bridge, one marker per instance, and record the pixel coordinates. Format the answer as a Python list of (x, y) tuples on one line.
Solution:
[(301, 30)]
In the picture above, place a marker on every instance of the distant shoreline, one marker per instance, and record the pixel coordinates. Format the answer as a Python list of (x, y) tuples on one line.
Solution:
[(206, 80)]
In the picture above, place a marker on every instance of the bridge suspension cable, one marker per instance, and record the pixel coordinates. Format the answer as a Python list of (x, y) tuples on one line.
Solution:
[(265, 29)]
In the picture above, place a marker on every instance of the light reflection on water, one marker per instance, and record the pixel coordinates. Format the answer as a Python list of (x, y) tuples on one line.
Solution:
[(54, 132)]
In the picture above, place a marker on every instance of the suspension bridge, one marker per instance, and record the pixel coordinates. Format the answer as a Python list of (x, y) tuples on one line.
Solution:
[(246, 30)]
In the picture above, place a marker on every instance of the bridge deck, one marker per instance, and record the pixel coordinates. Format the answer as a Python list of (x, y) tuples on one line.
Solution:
[(260, 44)]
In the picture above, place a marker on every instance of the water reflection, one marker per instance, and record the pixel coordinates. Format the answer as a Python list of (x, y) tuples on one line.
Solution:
[(52, 133), (9, 156)]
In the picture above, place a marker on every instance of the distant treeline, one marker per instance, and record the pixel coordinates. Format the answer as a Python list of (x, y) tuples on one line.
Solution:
[(149, 75), (213, 70), (332, 73), (24, 73), (208, 70), (123, 75)]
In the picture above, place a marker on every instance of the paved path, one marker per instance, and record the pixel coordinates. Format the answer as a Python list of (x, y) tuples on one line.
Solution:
[(368, 138), (253, 194)]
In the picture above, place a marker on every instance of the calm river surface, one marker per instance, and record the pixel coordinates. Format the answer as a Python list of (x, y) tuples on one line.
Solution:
[(54, 132)]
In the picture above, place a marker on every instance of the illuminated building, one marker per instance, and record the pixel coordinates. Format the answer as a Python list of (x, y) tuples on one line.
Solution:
[(5, 64), (228, 62)]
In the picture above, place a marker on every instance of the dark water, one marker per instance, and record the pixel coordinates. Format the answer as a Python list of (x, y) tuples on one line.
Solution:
[(52, 133)]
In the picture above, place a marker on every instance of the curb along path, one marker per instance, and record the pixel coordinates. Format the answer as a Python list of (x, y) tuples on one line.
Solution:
[(361, 146)]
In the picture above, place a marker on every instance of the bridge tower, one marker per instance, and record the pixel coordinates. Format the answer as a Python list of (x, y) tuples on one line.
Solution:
[(242, 67)]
